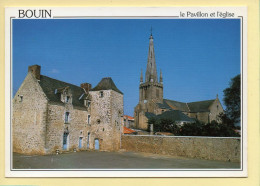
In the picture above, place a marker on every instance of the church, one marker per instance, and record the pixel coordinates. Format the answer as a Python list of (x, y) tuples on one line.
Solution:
[(151, 100)]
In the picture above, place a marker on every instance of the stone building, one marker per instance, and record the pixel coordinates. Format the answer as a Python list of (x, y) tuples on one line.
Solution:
[(50, 115), (129, 121), (151, 99)]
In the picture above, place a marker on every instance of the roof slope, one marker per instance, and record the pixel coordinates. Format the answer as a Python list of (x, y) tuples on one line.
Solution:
[(128, 131), (176, 105), (49, 85), (175, 115), (200, 106), (106, 84)]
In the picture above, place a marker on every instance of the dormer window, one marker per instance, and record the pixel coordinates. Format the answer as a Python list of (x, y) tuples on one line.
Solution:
[(67, 99), (101, 94)]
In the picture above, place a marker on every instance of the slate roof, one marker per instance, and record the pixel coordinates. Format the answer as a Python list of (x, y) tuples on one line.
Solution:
[(149, 115), (49, 85), (106, 84), (176, 105), (163, 105), (175, 115), (200, 106)]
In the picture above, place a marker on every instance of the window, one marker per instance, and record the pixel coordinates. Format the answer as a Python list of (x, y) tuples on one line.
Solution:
[(98, 121), (67, 99), (20, 98), (88, 119), (67, 117), (101, 94), (89, 103)]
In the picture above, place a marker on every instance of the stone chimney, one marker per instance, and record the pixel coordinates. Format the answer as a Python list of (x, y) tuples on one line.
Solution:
[(86, 86), (35, 70)]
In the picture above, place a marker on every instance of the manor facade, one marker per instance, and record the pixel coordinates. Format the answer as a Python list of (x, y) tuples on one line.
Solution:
[(49, 115)]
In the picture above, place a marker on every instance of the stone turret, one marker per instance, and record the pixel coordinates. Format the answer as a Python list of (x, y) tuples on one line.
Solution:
[(141, 78), (161, 79)]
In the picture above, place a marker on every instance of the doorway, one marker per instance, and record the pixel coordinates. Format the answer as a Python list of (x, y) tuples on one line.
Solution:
[(88, 140), (96, 144), (65, 140), (80, 142)]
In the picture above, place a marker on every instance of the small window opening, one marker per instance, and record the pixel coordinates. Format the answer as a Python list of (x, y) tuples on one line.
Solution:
[(21, 98), (98, 121), (101, 94), (67, 99), (88, 119), (67, 117)]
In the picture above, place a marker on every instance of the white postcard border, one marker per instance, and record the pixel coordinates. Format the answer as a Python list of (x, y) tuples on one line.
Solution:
[(125, 13)]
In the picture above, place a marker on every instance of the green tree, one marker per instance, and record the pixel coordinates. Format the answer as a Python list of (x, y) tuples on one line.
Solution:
[(232, 101), (191, 129), (164, 125)]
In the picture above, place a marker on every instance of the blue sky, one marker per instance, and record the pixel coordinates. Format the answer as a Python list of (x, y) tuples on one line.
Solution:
[(197, 57)]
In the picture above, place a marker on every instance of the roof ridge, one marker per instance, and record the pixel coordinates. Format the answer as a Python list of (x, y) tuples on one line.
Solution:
[(201, 101), (62, 81), (174, 100)]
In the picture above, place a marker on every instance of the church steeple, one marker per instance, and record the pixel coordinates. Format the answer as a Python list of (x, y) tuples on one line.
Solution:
[(151, 73)]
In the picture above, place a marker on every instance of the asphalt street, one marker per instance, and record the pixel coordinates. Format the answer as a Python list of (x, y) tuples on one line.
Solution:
[(114, 160)]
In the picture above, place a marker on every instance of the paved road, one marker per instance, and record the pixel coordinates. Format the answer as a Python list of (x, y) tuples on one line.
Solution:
[(114, 160)]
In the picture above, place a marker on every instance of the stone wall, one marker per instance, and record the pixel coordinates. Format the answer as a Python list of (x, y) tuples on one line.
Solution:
[(76, 127), (29, 118), (106, 118), (211, 148)]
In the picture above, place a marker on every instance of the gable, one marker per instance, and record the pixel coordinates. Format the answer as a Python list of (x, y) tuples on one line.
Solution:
[(30, 85), (200, 106), (175, 105)]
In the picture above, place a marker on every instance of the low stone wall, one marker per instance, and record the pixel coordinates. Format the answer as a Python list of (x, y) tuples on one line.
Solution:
[(211, 148)]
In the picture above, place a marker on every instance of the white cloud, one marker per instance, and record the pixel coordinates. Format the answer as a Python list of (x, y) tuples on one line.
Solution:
[(54, 71)]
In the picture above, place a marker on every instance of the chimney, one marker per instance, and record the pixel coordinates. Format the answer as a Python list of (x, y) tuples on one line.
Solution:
[(35, 70), (86, 86)]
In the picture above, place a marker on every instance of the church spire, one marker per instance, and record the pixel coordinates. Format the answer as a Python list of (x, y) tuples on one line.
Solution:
[(151, 73), (141, 78)]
